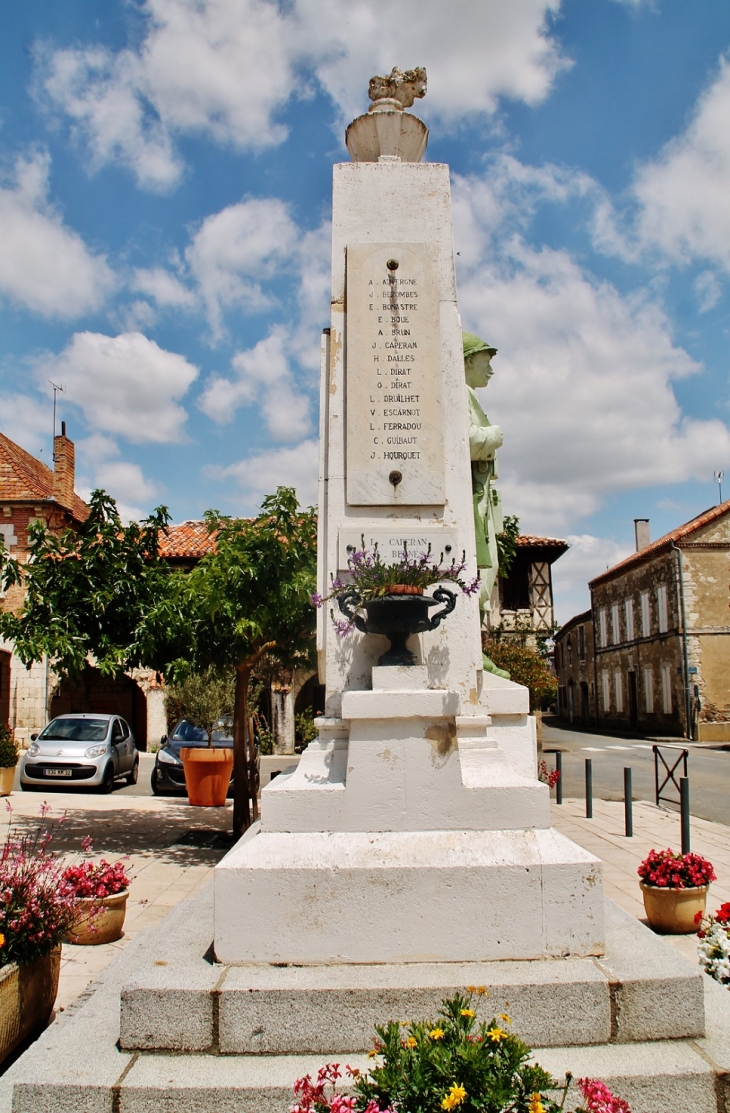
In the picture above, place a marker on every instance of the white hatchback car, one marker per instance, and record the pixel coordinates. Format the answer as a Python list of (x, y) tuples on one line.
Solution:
[(76, 749)]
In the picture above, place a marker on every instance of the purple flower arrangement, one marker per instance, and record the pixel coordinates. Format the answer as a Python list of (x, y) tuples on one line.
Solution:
[(372, 578)]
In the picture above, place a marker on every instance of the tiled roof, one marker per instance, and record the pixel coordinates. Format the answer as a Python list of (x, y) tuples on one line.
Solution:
[(188, 540), (550, 542), (576, 620), (23, 478), (676, 535)]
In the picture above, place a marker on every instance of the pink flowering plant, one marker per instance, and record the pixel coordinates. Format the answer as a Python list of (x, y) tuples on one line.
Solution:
[(96, 879), (666, 869), (713, 945), (36, 908), (372, 578), (456, 1062)]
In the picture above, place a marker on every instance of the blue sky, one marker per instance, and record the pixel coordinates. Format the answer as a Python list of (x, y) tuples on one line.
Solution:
[(164, 205)]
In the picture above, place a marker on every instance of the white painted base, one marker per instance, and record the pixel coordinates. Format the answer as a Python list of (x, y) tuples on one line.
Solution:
[(417, 896)]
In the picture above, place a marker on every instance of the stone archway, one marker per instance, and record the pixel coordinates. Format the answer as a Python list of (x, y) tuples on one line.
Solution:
[(106, 695)]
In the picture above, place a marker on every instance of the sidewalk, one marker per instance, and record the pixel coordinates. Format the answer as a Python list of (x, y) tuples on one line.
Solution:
[(653, 828)]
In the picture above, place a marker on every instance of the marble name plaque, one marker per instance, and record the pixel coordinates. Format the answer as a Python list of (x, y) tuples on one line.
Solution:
[(395, 430), (390, 542)]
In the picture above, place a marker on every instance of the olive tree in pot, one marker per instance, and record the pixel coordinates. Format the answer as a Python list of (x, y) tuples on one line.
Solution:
[(9, 754), (204, 698)]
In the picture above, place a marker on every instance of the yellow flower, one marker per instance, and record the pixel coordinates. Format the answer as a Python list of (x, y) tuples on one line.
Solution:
[(496, 1034), (436, 1033), (504, 1018), (411, 1042), (455, 1096), (482, 991), (468, 1012), (471, 989), (536, 1105), (2, 939), (372, 1054)]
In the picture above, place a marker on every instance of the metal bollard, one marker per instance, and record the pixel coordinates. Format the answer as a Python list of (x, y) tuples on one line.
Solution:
[(628, 803), (684, 811), (589, 788), (559, 785)]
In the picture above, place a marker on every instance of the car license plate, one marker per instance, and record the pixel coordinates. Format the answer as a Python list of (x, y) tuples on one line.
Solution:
[(59, 772)]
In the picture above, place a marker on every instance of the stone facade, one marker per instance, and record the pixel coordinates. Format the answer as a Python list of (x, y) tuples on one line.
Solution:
[(574, 665), (662, 635)]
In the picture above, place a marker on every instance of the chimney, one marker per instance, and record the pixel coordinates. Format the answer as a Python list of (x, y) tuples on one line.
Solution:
[(641, 531), (64, 460)]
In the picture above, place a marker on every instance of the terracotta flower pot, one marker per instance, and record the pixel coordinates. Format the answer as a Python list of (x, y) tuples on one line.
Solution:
[(100, 920), (207, 774), (405, 589), (27, 995), (673, 911), (7, 776)]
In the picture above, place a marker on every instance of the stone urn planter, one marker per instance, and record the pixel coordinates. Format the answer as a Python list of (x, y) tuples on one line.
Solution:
[(7, 777), (27, 995), (673, 911), (207, 774), (100, 920), (398, 615)]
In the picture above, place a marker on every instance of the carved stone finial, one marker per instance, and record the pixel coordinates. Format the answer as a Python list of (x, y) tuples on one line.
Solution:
[(399, 87)]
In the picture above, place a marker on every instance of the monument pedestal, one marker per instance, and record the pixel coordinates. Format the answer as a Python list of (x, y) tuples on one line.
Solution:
[(407, 835)]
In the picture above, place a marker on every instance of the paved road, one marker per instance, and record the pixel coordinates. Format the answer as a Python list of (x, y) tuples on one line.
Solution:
[(709, 769)]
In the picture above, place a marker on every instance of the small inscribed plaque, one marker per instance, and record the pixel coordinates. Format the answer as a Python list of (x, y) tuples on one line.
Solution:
[(390, 541), (395, 433)]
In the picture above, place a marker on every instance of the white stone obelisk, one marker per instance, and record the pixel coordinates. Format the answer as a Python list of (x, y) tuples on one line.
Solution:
[(415, 829)]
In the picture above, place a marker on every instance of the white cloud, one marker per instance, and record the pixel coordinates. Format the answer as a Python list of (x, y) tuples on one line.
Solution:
[(98, 465), (260, 475), (583, 380), (167, 290), (587, 557), (680, 198), (263, 377), (226, 67), (707, 290), (125, 385), (236, 250), (26, 421), (44, 265)]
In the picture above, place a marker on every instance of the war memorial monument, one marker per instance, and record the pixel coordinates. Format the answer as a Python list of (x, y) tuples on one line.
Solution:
[(410, 853)]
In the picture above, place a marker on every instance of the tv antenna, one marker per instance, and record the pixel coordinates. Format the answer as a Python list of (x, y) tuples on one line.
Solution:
[(719, 476), (57, 389)]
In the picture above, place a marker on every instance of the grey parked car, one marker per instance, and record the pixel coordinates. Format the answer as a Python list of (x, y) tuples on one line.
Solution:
[(89, 749)]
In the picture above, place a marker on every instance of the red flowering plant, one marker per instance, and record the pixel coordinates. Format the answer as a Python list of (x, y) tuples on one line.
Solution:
[(665, 869), (96, 879), (36, 908), (713, 945)]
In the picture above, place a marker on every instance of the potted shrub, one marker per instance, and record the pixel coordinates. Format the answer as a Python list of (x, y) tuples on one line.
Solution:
[(204, 699), (36, 911), (714, 943), (9, 753), (101, 890), (389, 599), (453, 1063), (674, 887)]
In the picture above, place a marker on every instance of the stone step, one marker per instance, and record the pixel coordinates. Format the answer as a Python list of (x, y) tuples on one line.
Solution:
[(641, 989), (77, 1065)]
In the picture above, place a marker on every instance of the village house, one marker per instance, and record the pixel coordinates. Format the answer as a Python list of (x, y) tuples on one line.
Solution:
[(575, 670), (661, 661), (522, 601)]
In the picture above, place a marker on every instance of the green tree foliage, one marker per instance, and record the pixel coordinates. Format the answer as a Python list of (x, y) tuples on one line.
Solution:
[(247, 600), (525, 666), (507, 543), (9, 749), (87, 591), (201, 698)]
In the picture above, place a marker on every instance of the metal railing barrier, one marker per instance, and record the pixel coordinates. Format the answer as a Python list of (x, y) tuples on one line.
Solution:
[(665, 772)]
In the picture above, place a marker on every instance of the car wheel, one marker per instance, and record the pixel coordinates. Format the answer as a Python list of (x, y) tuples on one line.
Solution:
[(155, 783), (107, 784), (134, 775)]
